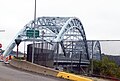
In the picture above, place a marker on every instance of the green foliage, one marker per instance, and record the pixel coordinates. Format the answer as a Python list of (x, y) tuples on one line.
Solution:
[(106, 67)]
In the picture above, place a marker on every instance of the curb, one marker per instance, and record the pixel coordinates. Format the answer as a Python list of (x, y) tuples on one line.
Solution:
[(25, 65)]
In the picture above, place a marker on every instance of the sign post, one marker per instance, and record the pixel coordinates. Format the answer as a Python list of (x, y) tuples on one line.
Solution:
[(17, 41)]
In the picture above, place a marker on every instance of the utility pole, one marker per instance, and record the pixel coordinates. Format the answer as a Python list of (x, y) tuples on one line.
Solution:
[(92, 59), (33, 47)]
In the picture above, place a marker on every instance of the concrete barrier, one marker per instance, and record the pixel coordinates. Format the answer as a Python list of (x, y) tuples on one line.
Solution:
[(47, 71), (33, 67)]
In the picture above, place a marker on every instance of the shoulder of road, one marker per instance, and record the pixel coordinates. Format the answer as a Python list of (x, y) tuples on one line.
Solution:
[(48, 71)]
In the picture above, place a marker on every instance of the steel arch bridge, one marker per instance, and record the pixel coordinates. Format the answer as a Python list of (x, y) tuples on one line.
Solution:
[(94, 49), (68, 32)]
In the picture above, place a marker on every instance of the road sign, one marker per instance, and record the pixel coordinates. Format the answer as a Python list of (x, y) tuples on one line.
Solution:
[(30, 33), (0, 45), (18, 41)]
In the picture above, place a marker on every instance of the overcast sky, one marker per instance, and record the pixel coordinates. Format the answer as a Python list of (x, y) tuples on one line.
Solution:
[(100, 18)]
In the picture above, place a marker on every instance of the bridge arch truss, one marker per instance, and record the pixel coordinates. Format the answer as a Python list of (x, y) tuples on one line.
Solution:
[(67, 31), (94, 49)]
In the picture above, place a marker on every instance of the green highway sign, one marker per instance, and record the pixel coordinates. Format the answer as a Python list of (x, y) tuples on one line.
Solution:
[(30, 33)]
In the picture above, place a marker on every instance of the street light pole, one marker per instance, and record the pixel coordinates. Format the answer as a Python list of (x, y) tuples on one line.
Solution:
[(33, 46), (92, 59)]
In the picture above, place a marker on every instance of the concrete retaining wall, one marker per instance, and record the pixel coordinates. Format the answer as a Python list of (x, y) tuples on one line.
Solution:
[(33, 67), (47, 71)]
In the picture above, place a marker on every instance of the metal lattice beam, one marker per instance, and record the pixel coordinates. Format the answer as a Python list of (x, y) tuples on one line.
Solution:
[(56, 29)]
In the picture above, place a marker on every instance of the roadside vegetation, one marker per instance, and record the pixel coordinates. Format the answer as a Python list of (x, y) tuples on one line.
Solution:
[(106, 67)]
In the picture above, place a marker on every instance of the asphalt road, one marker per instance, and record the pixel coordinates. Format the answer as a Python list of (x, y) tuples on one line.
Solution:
[(8, 73)]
